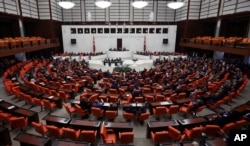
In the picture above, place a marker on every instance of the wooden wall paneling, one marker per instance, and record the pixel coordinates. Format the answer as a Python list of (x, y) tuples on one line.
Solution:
[(9, 28)]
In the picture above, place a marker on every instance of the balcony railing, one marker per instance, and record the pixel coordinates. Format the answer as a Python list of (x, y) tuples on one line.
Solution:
[(232, 45), (9, 46)]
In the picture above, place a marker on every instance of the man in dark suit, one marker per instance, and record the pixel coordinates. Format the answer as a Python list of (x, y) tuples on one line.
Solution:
[(85, 105)]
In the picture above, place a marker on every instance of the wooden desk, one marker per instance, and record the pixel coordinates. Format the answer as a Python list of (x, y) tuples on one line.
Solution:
[(244, 108), (57, 100), (211, 117), (133, 105), (19, 111), (156, 104), (119, 126), (5, 136), (57, 120), (7, 107), (69, 143), (190, 123), (181, 101), (29, 139), (31, 115), (162, 103), (153, 126), (85, 125)]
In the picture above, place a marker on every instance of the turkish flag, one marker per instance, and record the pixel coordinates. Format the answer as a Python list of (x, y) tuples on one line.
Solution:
[(93, 44), (145, 47)]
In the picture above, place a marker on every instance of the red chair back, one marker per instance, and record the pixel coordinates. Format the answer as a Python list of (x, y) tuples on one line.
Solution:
[(126, 137), (89, 135)]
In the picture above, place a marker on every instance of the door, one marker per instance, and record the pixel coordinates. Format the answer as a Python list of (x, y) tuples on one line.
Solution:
[(119, 44)]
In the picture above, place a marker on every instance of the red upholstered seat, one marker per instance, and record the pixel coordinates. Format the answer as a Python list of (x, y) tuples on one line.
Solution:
[(159, 137), (71, 133), (97, 112), (69, 109), (88, 135), (49, 105), (160, 98), (18, 122), (175, 134), (212, 130), (193, 133), (173, 109), (127, 100), (158, 111), (149, 98), (126, 137), (139, 99), (226, 128), (128, 116), (54, 131), (143, 116), (40, 128), (107, 136), (241, 123), (80, 111), (111, 114), (186, 107)]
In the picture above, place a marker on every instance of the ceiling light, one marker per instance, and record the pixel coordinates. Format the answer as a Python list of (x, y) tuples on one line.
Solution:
[(176, 5), (139, 4), (66, 4), (103, 4)]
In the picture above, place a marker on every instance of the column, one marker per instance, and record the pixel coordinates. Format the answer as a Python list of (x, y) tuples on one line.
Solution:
[(217, 54), (21, 56)]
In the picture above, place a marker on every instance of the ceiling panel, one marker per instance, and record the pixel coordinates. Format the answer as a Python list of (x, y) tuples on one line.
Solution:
[(122, 10)]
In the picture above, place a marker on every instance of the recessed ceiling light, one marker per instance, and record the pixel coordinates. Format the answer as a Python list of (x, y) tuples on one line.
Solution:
[(139, 4), (103, 4), (176, 5), (66, 4)]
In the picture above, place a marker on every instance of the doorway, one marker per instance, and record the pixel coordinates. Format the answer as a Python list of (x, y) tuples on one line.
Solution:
[(119, 44)]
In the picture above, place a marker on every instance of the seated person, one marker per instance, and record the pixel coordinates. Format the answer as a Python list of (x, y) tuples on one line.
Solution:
[(98, 104), (142, 109), (227, 117), (85, 105), (197, 104), (131, 109)]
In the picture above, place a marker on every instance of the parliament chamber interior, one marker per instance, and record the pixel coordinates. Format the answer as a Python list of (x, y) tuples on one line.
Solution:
[(124, 72)]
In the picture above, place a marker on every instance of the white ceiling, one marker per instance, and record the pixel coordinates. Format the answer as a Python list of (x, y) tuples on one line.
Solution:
[(122, 11)]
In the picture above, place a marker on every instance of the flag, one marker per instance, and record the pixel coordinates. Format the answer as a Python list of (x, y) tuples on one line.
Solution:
[(93, 44), (145, 47)]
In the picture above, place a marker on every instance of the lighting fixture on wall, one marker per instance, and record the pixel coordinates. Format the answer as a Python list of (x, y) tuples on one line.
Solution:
[(176, 4), (103, 4), (66, 4), (139, 4)]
